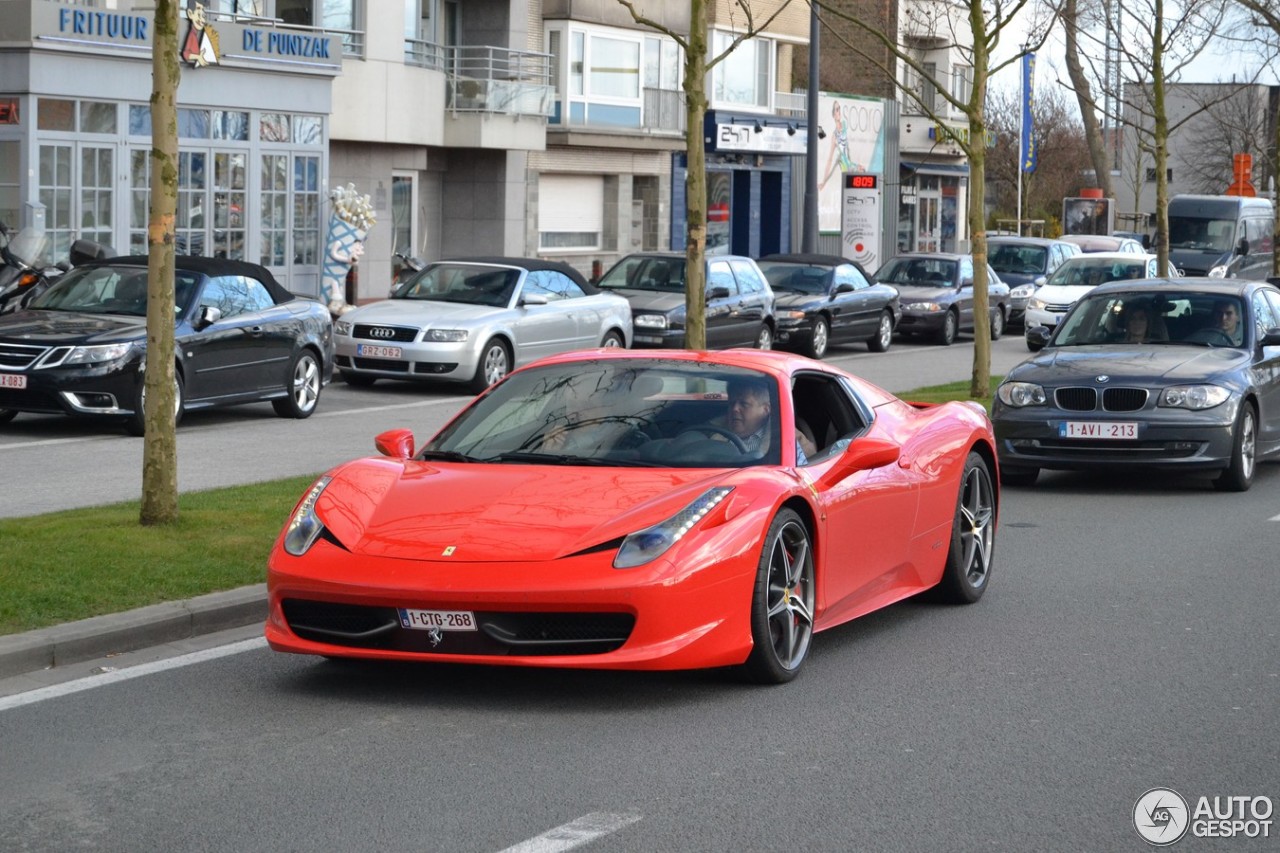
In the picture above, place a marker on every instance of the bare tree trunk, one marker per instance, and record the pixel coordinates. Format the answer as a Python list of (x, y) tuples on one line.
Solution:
[(980, 384), (695, 105), (160, 447), (1084, 96)]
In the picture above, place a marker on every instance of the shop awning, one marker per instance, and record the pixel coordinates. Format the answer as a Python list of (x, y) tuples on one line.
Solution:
[(935, 168)]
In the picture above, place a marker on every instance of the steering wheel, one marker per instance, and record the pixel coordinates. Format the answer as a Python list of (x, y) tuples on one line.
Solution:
[(1213, 337), (711, 429)]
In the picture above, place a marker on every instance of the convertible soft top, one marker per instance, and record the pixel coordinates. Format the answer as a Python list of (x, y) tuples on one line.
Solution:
[(210, 267), (532, 265)]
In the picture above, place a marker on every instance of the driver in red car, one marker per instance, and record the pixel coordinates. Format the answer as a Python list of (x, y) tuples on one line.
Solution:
[(748, 418)]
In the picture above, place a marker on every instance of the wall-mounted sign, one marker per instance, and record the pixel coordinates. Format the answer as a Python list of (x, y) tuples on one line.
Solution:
[(9, 112), (860, 228), (767, 140)]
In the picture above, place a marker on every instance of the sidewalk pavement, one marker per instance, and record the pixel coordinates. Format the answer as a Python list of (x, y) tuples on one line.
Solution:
[(115, 633)]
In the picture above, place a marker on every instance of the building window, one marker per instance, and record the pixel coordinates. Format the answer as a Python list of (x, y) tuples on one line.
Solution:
[(1151, 175), (570, 212), (744, 78), (306, 209), (56, 187), (345, 16), (615, 68), (10, 182), (598, 82), (274, 218), (961, 83)]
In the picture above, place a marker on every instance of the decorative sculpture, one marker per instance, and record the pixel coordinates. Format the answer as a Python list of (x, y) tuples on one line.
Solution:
[(348, 226)]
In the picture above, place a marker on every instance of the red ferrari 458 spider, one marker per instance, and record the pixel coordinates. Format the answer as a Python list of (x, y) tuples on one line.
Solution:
[(626, 510)]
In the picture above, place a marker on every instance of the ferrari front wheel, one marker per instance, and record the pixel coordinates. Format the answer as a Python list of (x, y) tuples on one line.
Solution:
[(973, 535), (782, 603)]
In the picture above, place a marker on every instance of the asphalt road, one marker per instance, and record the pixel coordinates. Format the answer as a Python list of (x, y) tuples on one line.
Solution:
[(1128, 641), (44, 459)]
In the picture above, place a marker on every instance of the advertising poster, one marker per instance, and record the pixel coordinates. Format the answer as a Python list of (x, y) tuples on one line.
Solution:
[(854, 142)]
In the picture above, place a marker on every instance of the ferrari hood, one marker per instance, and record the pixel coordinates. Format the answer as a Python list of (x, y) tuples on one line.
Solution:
[(491, 512), (1148, 363)]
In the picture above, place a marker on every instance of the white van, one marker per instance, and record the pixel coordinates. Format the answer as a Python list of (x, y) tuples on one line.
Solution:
[(1221, 236)]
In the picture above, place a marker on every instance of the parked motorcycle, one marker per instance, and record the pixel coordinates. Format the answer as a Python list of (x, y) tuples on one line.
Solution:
[(406, 267), (26, 272)]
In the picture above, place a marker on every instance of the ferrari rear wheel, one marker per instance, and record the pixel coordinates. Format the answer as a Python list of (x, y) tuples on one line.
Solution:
[(782, 604), (973, 532)]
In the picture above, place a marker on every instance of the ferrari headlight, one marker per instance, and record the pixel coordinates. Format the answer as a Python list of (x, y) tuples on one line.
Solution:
[(305, 526), (449, 336), (650, 321), (1020, 394), (1022, 291), (342, 327), (1194, 397), (96, 355), (645, 546)]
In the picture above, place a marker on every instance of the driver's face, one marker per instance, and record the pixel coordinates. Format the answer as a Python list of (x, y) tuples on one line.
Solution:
[(748, 412), (1226, 318)]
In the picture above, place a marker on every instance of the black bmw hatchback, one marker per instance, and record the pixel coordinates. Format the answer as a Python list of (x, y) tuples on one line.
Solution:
[(79, 349)]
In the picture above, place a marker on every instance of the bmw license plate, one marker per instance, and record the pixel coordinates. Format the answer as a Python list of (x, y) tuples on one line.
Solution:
[(439, 620), (12, 380), (378, 351), (1116, 430)]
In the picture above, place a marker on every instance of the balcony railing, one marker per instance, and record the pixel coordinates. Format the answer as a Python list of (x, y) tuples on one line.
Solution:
[(794, 104), (424, 54), (486, 79)]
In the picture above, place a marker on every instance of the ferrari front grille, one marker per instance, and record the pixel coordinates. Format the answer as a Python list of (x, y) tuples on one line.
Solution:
[(506, 634)]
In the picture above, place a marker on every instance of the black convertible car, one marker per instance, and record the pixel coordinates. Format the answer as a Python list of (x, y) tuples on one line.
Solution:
[(1179, 374), (827, 299), (240, 337)]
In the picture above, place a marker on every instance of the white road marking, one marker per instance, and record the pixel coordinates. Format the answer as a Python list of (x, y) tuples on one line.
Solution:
[(57, 690), (575, 833)]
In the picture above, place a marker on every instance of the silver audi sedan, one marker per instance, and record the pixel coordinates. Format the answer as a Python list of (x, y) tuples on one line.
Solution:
[(474, 320)]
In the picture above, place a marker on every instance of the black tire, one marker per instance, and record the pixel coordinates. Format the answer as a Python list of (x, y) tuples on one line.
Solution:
[(1019, 476), (819, 338), (303, 388), (136, 424), (613, 339), (883, 338), (495, 363), (7, 415), (358, 380), (968, 567), (950, 329), (997, 324), (764, 337), (1238, 476), (782, 603)]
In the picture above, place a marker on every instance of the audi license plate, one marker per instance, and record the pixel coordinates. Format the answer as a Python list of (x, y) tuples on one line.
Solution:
[(440, 620), (378, 351), (1117, 430), (12, 380)]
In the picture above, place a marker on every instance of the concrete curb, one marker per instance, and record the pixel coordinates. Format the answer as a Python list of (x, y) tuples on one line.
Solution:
[(114, 633)]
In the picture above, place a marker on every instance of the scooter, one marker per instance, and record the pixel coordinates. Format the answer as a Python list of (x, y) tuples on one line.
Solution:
[(25, 274), (406, 267)]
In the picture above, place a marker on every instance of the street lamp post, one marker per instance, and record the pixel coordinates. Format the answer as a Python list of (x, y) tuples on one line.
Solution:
[(809, 239)]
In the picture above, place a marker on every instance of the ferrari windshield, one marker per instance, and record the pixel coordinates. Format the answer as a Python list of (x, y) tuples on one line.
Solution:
[(640, 272), (937, 272), (620, 412), (1146, 317), (470, 284)]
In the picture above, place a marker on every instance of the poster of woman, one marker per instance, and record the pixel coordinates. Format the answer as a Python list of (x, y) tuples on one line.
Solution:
[(852, 140)]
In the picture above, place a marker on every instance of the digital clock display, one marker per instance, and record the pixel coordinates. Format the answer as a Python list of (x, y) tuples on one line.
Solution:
[(860, 182)]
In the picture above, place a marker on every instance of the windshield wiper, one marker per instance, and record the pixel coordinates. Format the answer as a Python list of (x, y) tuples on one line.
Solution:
[(568, 459), (446, 456)]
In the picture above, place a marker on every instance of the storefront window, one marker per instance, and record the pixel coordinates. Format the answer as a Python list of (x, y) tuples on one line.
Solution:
[(139, 120), (307, 130), (97, 117), (274, 218), (97, 193), (229, 200), (56, 194), (230, 125), (306, 210), (10, 179), (56, 114), (273, 127), (193, 124), (139, 198)]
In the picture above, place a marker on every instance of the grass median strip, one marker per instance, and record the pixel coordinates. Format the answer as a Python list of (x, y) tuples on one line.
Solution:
[(71, 565)]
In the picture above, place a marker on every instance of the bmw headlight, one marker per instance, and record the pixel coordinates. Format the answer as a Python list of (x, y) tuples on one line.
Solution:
[(645, 546), (1194, 397), (97, 354), (1020, 394), (342, 327), (305, 526), (1022, 291), (447, 336), (1220, 271), (650, 321)]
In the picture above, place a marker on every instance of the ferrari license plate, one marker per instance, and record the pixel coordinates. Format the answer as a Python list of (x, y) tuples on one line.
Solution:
[(1117, 430), (440, 620), (378, 351), (12, 380)]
